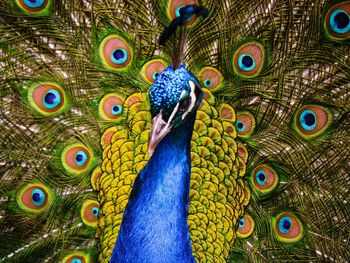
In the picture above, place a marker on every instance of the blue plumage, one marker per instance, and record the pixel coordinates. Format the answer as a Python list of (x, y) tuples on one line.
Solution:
[(154, 227), (166, 91)]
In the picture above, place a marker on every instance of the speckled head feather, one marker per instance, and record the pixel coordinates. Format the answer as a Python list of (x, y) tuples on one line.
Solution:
[(166, 91), (175, 94)]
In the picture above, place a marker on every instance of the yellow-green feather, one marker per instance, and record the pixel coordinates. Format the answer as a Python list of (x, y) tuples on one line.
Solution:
[(217, 191)]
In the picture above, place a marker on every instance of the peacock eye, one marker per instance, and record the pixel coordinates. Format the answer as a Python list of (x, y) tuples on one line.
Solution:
[(288, 227), (240, 126), (81, 157), (51, 99), (208, 83), (34, 3), (260, 177), (89, 212), (117, 109), (38, 197), (115, 53), (47, 98), (76, 260), (119, 56), (210, 78), (95, 211), (246, 62), (264, 178), (34, 198), (245, 226), (151, 70), (285, 224), (34, 7), (307, 120), (312, 120), (241, 223), (76, 158), (111, 107), (245, 124), (177, 11), (337, 22), (340, 21)]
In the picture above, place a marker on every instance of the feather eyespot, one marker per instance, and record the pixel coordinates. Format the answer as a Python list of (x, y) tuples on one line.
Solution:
[(111, 107), (34, 198), (264, 178), (248, 60), (340, 21), (285, 224), (152, 69), (260, 177), (245, 124), (174, 7), (210, 78), (337, 22), (288, 227), (47, 98), (115, 53), (38, 197), (307, 120), (76, 158), (77, 257), (34, 6), (89, 212), (245, 226), (312, 120)]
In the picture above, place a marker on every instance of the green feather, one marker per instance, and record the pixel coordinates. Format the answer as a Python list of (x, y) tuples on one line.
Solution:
[(304, 64)]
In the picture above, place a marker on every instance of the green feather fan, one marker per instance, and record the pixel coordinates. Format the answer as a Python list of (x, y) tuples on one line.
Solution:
[(270, 147)]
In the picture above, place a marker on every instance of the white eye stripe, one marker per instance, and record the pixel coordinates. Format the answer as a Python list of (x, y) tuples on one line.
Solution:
[(192, 85), (192, 95), (193, 98)]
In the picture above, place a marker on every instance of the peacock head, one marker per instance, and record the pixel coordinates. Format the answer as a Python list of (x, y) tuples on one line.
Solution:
[(174, 96)]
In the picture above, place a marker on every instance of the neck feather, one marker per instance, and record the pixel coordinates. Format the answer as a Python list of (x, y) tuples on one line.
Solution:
[(154, 227)]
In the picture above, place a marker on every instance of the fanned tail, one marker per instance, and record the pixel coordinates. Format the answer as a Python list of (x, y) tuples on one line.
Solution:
[(288, 80), (68, 68)]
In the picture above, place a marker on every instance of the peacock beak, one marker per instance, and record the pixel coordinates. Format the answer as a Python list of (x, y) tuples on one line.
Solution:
[(159, 128)]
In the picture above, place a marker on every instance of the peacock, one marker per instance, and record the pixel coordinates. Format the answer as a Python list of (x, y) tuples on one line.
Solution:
[(174, 131)]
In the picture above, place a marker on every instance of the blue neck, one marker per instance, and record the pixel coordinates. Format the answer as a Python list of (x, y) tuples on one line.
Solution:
[(154, 227)]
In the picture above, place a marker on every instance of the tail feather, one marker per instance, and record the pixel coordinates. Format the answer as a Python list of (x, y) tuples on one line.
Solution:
[(297, 172)]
